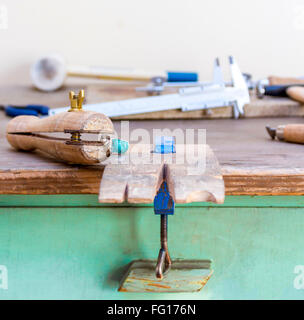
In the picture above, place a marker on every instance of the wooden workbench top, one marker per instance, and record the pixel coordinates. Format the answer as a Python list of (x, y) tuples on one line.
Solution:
[(252, 164)]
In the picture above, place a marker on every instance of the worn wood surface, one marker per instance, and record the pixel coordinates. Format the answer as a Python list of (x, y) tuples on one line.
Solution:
[(195, 180), (275, 80), (251, 163), (296, 93), (136, 176), (82, 121), (184, 276), (266, 107), (29, 133), (126, 181), (294, 133)]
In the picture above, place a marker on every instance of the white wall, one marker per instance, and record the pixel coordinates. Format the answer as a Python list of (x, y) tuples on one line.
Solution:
[(265, 36)]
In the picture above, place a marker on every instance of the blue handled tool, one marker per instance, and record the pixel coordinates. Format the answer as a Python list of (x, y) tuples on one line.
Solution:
[(182, 76), (27, 110), (274, 90)]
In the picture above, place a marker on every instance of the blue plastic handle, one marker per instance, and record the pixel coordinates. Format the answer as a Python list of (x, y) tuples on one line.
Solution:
[(276, 91), (14, 112), (182, 76), (43, 110), (29, 110)]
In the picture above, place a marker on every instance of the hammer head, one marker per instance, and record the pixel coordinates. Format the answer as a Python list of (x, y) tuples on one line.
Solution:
[(48, 73)]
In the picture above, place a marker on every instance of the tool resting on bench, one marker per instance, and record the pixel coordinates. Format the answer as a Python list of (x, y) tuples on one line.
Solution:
[(29, 133), (281, 87), (289, 132)]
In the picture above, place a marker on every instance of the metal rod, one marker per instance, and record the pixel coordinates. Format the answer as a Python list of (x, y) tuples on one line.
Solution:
[(164, 261)]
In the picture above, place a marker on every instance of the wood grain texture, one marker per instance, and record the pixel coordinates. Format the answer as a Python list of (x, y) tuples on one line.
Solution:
[(106, 91), (251, 163), (139, 180), (28, 133), (184, 276), (266, 107), (275, 80), (296, 93), (294, 133), (82, 121), (197, 178), (124, 180)]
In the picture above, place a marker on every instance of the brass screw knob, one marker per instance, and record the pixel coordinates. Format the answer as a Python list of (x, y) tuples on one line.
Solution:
[(76, 100)]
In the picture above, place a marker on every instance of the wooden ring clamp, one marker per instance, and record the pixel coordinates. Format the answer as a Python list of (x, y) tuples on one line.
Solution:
[(29, 133)]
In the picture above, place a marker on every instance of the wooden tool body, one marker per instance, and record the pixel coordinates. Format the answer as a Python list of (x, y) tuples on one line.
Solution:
[(274, 80), (290, 87), (30, 133), (293, 133), (296, 93), (290, 133)]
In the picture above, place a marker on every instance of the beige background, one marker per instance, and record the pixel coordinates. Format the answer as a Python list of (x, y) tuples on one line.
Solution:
[(265, 36)]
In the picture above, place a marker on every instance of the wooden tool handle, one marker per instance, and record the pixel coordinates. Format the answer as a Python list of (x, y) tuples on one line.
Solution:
[(20, 125), (83, 121), (24, 125), (30, 133), (296, 93), (294, 133), (58, 149), (28, 141), (273, 80)]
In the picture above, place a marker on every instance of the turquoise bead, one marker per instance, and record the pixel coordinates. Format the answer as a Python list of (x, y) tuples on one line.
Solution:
[(119, 146)]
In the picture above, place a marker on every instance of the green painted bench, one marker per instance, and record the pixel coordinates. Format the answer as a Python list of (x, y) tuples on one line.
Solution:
[(58, 242)]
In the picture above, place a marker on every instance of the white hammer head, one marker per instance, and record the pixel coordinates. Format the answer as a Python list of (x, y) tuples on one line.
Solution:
[(48, 73)]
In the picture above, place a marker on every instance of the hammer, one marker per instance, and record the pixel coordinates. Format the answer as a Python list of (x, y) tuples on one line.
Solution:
[(48, 73), (282, 87)]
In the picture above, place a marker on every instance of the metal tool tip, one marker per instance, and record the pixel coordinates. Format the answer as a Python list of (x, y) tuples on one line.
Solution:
[(271, 132), (217, 61), (231, 59)]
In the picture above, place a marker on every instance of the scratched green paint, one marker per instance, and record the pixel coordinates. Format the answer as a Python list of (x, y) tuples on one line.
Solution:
[(77, 252), (91, 200)]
